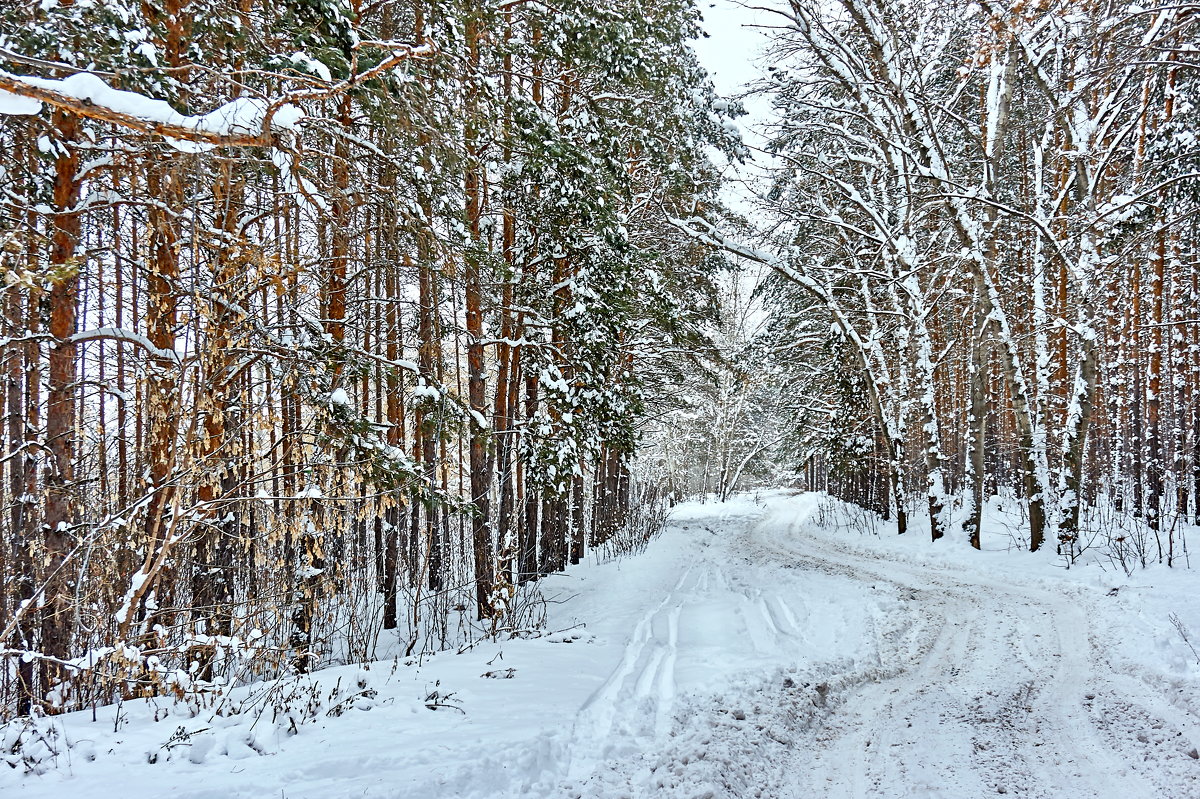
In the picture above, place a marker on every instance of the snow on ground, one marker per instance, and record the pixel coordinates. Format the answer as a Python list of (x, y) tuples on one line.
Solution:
[(755, 649)]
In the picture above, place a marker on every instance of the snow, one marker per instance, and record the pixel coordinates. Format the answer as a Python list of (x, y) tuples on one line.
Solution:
[(129, 336), (310, 64), (340, 397), (15, 105), (240, 115), (759, 647)]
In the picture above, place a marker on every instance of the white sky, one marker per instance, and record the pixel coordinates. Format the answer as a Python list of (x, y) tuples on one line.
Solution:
[(731, 55), (733, 43)]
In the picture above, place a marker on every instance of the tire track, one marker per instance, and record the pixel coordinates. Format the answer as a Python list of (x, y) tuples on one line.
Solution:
[(1009, 697)]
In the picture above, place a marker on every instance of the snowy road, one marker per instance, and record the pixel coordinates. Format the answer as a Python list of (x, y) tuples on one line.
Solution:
[(1006, 690), (968, 684), (749, 652)]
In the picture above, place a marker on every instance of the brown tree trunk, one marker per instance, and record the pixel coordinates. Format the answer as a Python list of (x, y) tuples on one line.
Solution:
[(60, 515), (22, 378), (162, 390), (220, 459), (528, 558), (480, 460), (428, 355), (394, 520)]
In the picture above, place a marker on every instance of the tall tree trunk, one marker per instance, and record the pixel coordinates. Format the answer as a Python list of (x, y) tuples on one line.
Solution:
[(395, 512), (162, 397), (22, 379), (60, 514), (528, 558), (977, 428), (480, 459), (220, 458)]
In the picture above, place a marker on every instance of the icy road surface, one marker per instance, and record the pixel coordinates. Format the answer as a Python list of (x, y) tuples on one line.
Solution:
[(752, 651)]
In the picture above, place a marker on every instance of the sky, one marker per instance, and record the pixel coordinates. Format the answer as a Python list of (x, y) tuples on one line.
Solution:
[(732, 55), (733, 44)]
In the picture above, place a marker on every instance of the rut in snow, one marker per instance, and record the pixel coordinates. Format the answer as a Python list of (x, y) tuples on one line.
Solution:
[(954, 683)]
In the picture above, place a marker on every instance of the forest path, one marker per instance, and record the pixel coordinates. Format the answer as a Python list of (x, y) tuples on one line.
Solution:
[(866, 677), (1005, 688)]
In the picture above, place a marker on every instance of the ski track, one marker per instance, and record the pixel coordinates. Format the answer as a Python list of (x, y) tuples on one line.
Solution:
[(969, 687)]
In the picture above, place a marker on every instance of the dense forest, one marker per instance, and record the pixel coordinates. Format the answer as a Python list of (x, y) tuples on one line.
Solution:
[(983, 222), (323, 319)]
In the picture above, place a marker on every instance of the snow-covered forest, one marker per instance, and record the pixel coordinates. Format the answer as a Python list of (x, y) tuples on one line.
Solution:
[(321, 317), (350, 349), (983, 220)]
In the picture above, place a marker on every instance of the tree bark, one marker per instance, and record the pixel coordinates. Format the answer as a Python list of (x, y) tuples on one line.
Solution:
[(61, 511)]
